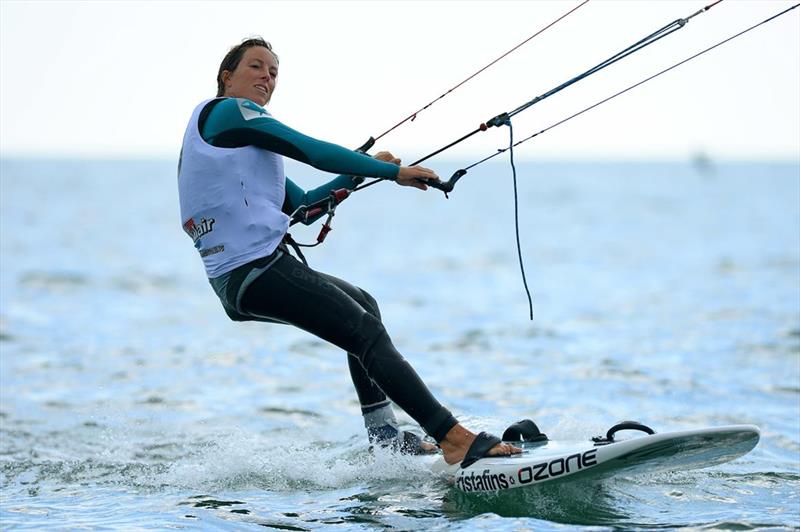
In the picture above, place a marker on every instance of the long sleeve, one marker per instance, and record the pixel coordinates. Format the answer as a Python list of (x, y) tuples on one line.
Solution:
[(236, 122)]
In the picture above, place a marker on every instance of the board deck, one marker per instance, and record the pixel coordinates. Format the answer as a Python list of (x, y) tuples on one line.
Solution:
[(552, 460)]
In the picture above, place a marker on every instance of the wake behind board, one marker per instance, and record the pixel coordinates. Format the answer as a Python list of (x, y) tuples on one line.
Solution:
[(573, 460)]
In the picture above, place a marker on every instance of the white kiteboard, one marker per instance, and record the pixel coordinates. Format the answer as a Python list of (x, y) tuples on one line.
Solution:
[(551, 460)]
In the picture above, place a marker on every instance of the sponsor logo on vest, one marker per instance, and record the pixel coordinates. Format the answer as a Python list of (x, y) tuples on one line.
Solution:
[(196, 230), (211, 251)]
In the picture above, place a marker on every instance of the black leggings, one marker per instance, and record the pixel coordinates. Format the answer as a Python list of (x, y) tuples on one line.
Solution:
[(288, 291)]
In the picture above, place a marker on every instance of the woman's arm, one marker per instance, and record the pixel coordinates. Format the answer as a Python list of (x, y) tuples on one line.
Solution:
[(236, 122), (296, 196)]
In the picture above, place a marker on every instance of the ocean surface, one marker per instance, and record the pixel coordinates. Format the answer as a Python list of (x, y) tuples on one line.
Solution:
[(667, 293)]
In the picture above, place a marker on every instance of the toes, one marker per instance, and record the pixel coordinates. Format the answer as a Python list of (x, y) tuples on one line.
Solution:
[(502, 449), (428, 447), (510, 449)]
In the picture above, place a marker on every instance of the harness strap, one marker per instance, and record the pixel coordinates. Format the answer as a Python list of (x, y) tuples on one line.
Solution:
[(287, 239)]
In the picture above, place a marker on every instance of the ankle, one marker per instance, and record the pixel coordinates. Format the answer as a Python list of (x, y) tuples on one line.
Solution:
[(458, 436)]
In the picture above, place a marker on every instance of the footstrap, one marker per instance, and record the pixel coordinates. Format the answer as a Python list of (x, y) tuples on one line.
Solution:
[(622, 425), (482, 445), (525, 430)]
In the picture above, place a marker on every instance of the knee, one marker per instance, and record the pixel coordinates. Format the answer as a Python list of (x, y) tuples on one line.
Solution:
[(369, 330), (370, 304), (369, 333)]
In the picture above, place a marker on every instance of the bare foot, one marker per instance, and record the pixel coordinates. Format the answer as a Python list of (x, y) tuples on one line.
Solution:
[(428, 447), (458, 439)]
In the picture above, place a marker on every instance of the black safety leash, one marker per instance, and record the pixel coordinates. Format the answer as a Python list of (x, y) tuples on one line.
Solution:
[(516, 216)]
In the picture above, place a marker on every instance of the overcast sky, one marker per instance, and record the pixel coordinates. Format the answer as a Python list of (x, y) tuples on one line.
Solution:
[(113, 78)]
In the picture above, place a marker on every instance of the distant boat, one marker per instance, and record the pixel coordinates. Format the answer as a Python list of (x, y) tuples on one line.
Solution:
[(702, 163)]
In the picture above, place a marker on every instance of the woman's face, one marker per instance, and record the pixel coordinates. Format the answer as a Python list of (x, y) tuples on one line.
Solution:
[(254, 78)]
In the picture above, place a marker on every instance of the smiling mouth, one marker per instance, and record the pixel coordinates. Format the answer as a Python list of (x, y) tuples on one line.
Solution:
[(262, 89)]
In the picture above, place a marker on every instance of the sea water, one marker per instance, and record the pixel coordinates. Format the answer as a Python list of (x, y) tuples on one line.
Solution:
[(668, 293)]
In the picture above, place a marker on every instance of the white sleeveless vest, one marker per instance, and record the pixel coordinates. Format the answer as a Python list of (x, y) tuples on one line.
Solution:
[(230, 199)]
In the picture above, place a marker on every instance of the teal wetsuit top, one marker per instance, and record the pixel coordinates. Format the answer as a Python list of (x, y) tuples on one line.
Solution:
[(222, 125)]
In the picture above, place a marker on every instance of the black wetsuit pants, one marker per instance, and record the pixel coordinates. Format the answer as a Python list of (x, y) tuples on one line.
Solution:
[(279, 288)]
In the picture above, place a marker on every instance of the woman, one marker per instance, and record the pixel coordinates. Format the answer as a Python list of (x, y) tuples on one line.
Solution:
[(235, 201)]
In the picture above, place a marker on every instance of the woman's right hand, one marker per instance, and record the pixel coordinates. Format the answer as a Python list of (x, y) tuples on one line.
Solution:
[(409, 176)]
